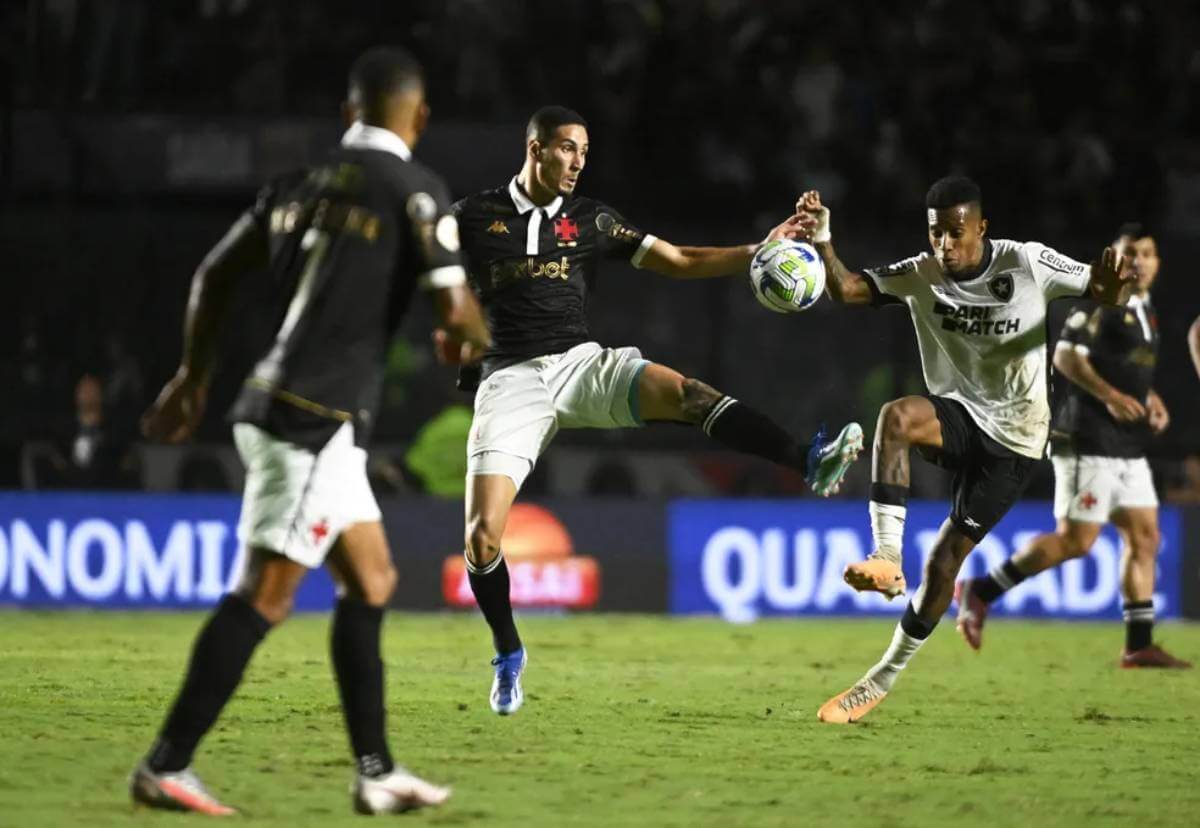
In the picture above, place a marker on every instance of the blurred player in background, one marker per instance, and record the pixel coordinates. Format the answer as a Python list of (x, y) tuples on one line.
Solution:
[(345, 245), (1098, 444), (1194, 344), (979, 310), (533, 249)]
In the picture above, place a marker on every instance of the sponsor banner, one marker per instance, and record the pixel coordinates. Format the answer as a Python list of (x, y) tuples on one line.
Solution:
[(125, 551), (181, 551), (746, 558), (542, 568)]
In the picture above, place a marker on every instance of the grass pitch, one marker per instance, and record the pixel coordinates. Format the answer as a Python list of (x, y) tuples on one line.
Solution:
[(628, 721)]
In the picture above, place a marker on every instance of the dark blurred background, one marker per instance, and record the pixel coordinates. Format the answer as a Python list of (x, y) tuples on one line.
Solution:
[(133, 132)]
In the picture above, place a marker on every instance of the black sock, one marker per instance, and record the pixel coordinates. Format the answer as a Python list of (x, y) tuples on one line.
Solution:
[(915, 626), (891, 494), (1139, 624), (219, 657), (747, 430), (491, 587), (997, 582), (354, 644)]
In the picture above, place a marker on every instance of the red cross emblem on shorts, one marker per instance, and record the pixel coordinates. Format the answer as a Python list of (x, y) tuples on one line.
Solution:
[(319, 530), (1087, 500), (566, 230)]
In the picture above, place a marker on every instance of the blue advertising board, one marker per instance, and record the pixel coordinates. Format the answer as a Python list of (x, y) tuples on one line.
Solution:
[(743, 559), (125, 551)]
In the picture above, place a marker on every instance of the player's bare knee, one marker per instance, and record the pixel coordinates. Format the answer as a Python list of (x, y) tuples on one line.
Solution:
[(895, 420), (1144, 542), (1077, 541), (482, 542), (697, 399), (378, 588)]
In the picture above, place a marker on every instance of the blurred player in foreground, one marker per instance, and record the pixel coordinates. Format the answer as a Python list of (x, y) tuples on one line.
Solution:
[(533, 250), (345, 244), (1098, 444), (979, 310)]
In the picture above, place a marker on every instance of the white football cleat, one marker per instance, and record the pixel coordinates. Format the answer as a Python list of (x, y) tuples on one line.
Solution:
[(174, 791), (395, 793)]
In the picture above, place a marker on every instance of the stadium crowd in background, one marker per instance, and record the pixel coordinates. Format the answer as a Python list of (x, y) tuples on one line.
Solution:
[(857, 111)]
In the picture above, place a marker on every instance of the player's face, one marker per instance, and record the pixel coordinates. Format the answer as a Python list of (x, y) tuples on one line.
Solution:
[(956, 236), (1141, 258), (560, 162)]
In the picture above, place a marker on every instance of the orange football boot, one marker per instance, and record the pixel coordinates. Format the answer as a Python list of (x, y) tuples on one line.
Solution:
[(876, 574), (851, 705)]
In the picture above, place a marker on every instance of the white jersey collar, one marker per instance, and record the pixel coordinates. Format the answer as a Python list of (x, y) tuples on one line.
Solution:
[(524, 204), (362, 136)]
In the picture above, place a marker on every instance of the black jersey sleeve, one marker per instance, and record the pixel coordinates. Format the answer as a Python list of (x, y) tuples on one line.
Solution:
[(434, 226), (1083, 326), (618, 239)]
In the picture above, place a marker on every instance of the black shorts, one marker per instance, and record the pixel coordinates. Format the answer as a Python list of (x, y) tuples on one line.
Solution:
[(988, 477)]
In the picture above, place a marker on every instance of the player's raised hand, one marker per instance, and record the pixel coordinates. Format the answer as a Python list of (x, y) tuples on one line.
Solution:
[(1124, 408), (1111, 280), (814, 217), (790, 228), (177, 412)]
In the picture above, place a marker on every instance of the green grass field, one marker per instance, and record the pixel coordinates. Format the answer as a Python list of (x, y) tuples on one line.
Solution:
[(628, 721)]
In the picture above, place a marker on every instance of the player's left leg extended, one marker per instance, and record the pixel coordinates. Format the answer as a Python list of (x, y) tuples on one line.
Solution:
[(362, 568), (665, 394), (1139, 551)]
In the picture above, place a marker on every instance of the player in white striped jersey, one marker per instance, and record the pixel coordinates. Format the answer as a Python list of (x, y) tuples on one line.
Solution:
[(979, 310)]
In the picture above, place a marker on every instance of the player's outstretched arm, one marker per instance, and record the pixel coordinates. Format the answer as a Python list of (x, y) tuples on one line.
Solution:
[(1194, 344), (463, 335), (176, 413), (678, 262), (842, 284), (1079, 369)]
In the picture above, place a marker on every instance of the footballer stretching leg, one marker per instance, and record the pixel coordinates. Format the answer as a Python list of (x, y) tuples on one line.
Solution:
[(648, 392), (978, 308)]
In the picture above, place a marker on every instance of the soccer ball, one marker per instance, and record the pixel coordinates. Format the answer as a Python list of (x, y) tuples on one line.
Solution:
[(787, 276)]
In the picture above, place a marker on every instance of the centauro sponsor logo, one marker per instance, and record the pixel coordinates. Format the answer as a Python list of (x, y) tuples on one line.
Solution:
[(1057, 262), (530, 268), (975, 320)]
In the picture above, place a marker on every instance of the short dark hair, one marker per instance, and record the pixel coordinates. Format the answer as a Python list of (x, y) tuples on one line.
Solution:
[(1135, 230), (952, 190), (549, 118), (378, 74)]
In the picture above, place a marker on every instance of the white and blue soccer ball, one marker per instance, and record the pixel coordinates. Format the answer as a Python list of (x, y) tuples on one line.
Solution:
[(787, 276)]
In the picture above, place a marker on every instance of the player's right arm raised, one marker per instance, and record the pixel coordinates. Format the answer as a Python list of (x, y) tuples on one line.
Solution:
[(842, 284), (176, 412)]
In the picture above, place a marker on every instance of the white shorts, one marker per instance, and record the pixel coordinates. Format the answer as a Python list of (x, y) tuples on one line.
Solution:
[(519, 409), (297, 503), (1090, 489)]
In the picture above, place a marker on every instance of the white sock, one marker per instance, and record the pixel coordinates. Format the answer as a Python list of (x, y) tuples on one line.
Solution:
[(895, 658), (887, 529)]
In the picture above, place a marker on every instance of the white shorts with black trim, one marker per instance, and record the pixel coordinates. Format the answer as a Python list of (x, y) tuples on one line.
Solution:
[(519, 409), (298, 503), (1089, 489)]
